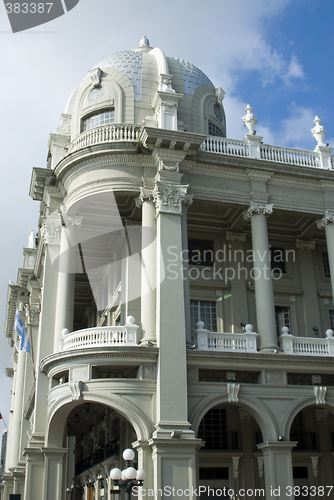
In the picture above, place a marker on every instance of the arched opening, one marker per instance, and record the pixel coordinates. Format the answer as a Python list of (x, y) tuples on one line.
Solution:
[(229, 457), (96, 436), (312, 458)]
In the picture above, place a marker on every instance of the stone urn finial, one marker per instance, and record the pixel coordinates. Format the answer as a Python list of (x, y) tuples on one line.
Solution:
[(318, 132), (249, 120)]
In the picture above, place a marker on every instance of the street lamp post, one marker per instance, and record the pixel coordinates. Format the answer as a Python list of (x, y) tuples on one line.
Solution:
[(128, 475), (70, 491)]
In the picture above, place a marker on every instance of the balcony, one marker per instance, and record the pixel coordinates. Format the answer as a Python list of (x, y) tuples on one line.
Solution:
[(247, 342), (307, 346), (105, 134), (231, 342), (107, 336)]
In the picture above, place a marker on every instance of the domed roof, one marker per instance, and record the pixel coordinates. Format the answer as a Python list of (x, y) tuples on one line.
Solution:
[(144, 87), (130, 62)]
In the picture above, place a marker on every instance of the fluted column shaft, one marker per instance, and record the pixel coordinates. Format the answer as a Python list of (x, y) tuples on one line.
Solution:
[(264, 293)]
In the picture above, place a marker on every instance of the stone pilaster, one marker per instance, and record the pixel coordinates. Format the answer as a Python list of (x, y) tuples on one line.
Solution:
[(277, 468), (310, 297), (171, 337)]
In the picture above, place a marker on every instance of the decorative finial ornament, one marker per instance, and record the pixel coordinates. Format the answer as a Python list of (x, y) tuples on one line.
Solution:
[(144, 41), (249, 120), (318, 132)]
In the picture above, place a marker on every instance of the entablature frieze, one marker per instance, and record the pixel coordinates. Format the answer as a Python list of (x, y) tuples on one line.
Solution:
[(134, 354), (102, 185), (303, 364), (72, 164)]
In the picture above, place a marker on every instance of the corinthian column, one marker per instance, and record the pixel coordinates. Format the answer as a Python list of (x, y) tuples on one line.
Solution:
[(327, 222), (264, 293)]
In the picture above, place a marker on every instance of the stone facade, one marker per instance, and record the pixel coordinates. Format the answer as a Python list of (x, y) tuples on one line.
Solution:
[(178, 299)]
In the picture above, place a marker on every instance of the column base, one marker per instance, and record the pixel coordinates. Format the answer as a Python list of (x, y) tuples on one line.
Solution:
[(269, 349), (148, 343)]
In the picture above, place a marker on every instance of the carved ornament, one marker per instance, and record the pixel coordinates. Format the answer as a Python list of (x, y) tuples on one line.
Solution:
[(169, 198), (327, 219), (258, 208)]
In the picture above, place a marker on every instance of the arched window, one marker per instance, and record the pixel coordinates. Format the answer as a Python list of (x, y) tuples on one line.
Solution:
[(96, 119), (214, 130)]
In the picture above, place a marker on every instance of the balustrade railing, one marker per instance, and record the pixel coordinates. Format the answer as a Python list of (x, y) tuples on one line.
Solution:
[(112, 336), (104, 134), (307, 346), (235, 342), (224, 146), (291, 156)]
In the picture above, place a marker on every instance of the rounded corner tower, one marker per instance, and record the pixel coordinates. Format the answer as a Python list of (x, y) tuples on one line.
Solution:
[(144, 87)]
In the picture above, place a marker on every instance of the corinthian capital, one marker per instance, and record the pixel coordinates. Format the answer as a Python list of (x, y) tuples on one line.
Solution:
[(258, 208), (145, 194), (169, 198), (327, 218), (51, 230)]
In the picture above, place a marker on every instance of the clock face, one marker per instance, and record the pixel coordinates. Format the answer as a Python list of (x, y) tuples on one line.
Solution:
[(96, 94), (218, 112)]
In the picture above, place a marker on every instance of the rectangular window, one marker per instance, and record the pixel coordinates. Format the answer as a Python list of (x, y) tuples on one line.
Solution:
[(331, 318), (212, 473), (203, 311), (282, 315), (277, 260), (300, 473), (200, 252), (325, 261)]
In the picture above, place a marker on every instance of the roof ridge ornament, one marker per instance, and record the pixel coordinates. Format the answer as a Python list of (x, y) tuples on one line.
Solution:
[(144, 41), (319, 132), (249, 120)]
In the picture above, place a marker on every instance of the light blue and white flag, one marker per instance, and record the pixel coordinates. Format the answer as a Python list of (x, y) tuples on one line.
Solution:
[(19, 327)]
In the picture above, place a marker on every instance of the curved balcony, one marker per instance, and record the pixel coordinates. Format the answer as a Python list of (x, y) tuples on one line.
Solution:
[(122, 132), (105, 336)]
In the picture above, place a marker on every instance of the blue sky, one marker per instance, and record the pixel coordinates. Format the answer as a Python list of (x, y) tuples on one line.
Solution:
[(276, 55)]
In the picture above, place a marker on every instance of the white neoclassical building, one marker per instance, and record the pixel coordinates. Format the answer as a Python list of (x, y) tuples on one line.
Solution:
[(178, 299)]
